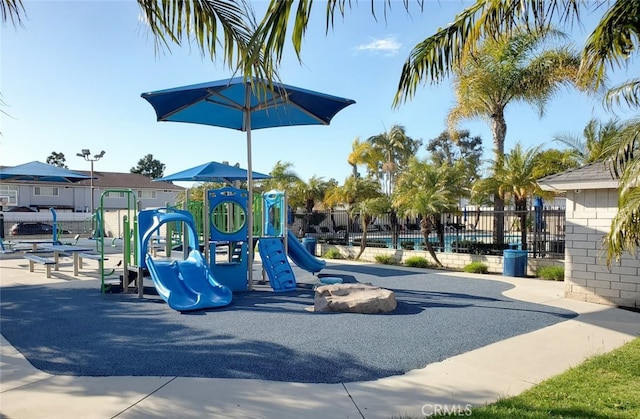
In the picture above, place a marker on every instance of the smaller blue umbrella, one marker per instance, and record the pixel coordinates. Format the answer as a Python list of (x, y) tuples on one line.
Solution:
[(212, 172), (36, 171)]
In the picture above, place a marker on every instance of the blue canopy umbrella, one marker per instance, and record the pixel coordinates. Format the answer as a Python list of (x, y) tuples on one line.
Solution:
[(212, 172), (36, 171), (245, 105)]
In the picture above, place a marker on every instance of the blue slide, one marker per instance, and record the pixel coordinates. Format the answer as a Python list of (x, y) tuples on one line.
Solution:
[(276, 264), (184, 284), (301, 257), (187, 284)]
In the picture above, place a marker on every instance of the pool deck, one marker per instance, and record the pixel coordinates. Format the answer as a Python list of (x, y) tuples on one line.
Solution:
[(477, 377)]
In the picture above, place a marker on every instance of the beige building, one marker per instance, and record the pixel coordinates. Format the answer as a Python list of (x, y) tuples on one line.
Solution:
[(591, 204)]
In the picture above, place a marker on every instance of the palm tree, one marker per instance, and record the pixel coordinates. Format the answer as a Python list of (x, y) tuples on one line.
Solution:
[(384, 156), (394, 149), (426, 190), (363, 153), (504, 70), (459, 150), (283, 178), (612, 41), (197, 192), (307, 195), (367, 209), (509, 69), (515, 176), (596, 138), (354, 190), (623, 158), (556, 161)]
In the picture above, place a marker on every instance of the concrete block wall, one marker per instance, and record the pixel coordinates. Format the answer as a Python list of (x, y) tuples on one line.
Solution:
[(455, 261), (587, 278)]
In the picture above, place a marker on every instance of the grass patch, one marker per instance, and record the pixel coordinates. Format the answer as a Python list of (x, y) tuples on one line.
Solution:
[(417, 262), (553, 273), (332, 254), (476, 268), (604, 386), (385, 259)]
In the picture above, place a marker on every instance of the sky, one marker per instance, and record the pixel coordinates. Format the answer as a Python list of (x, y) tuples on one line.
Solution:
[(72, 76)]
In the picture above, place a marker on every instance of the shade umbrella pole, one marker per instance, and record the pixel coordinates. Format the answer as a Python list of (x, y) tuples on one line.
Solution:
[(247, 124)]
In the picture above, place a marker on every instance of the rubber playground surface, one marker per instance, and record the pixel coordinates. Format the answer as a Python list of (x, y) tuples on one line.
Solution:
[(69, 328)]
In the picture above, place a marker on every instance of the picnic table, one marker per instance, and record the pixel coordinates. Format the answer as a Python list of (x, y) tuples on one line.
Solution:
[(58, 249), (35, 242)]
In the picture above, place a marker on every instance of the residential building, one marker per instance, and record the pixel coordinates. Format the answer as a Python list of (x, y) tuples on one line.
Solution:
[(110, 190)]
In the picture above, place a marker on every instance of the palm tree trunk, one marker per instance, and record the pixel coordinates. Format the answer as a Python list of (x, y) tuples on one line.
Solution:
[(478, 212), (425, 230), (363, 238), (393, 218), (499, 131), (521, 210), (431, 251)]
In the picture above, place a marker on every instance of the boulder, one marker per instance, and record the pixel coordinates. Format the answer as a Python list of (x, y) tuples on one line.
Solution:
[(354, 298)]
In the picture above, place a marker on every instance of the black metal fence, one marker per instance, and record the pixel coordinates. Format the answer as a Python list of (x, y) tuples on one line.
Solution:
[(465, 231)]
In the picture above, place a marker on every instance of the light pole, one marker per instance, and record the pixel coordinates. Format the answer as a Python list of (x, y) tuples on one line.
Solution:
[(86, 154)]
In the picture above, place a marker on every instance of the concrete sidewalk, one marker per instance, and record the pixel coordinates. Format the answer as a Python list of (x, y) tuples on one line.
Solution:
[(474, 378)]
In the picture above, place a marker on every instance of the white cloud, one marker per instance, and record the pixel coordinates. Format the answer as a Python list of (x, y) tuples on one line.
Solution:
[(386, 46)]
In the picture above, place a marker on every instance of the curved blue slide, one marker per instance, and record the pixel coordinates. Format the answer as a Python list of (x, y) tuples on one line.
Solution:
[(301, 257), (184, 284)]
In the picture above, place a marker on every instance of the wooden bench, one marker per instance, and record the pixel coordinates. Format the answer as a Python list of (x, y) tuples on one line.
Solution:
[(92, 256), (33, 259)]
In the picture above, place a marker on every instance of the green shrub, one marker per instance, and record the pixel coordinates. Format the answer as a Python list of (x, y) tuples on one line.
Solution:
[(476, 268), (332, 254), (407, 244), (385, 259), (553, 273), (478, 248), (372, 243), (417, 262)]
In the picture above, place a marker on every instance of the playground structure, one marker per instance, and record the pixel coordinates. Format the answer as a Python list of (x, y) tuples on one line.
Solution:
[(215, 259)]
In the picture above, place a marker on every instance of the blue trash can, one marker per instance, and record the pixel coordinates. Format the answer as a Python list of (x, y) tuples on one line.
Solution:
[(514, 263), (309, 243)]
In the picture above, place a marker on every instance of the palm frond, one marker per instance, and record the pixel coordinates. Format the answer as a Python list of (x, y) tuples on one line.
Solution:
[(12, 10), (613, 40), (433, 59), (624, 233), (201, 21), (625, 94)]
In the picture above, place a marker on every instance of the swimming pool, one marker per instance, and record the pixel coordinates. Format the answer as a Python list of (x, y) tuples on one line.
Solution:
[(474, 236)]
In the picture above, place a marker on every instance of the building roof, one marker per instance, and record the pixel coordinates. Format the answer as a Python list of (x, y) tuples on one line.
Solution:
[(113, 180), (592, 176)]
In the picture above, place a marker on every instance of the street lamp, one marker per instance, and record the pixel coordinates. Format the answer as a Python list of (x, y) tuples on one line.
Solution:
[(86, 154)]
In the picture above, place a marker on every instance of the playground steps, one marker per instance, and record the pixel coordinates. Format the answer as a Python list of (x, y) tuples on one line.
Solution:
[(236, 256), (276, 264)]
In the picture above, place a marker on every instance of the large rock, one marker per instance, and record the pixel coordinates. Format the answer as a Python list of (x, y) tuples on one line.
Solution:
[(354, 298)]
